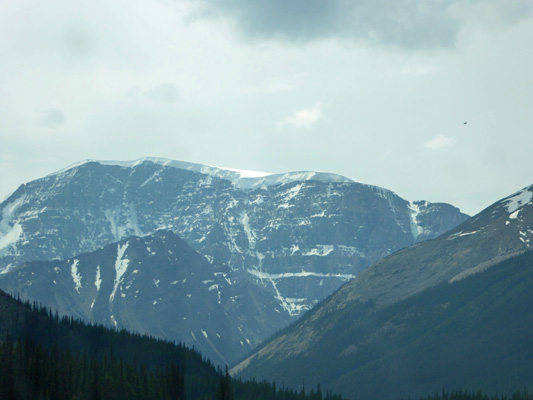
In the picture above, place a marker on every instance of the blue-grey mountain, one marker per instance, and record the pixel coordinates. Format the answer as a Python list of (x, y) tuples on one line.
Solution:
[(450, 313), (156, 285), (296, 236)]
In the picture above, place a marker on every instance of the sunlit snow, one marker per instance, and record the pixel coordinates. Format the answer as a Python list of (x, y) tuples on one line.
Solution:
[(249, 233), (320, 250), (514, 215), (416, 229), (10, 234), (98, 280), (121, 265), (293, 306), (518, 200), (76, 277)]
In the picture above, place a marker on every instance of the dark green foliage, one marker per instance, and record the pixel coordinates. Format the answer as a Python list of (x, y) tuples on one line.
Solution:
[(47, 357), (478, 395), (225, 390), (38, 373), (268, 391)]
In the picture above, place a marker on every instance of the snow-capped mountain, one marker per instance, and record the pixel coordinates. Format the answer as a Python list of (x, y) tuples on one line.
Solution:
[(451, 313), (160, 286), (300, 234)]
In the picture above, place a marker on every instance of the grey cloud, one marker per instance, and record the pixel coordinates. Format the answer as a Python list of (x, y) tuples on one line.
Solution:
[(53, 118), (163, 93), (405, 23)]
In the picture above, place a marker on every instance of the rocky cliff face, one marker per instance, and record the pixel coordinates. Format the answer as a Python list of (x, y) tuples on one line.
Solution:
[(299, 235), (160, 286), (409, 324)]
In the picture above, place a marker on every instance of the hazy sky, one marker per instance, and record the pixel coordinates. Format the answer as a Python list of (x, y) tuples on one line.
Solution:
[(376, 90)]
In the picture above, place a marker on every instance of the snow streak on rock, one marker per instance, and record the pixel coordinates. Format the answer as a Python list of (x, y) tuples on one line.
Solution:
[(76, 277), (10, 234), (121, 266), (518, 200)]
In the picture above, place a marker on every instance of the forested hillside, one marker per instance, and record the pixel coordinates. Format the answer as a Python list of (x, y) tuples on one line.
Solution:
[(44, 356), (470, 334)]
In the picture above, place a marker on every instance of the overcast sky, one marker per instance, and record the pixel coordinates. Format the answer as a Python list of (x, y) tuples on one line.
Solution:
[(376, 90)]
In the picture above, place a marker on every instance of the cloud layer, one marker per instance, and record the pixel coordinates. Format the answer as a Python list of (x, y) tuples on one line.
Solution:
[(407, 23), (371, 89), (412, 24)]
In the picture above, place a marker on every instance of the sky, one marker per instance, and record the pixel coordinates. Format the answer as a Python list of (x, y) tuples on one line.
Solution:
[(431, 99)]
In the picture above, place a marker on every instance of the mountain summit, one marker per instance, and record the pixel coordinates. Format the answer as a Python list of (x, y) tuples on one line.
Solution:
[(293, 237), (301, 234)]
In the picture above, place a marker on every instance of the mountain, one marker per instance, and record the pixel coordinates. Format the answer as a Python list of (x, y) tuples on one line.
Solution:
[(450, 313), (300, 235), (156, 285)]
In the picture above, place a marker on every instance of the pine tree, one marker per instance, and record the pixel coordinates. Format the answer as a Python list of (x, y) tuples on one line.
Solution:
[(225, 391)]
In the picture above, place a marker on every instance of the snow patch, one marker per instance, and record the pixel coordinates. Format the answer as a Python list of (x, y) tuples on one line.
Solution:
[(9, 235), (249, 233), (225, 276), (121, 266), (98, 280), (215, 287), (320, 250), (414, 211), (76, 277), (6, 269), (514, 215), (518, 200), (293, 306), (264, 275), (461, 234), (294, 249), (154, 177)]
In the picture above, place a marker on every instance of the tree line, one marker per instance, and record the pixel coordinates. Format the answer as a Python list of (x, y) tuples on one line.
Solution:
[(47, 357)]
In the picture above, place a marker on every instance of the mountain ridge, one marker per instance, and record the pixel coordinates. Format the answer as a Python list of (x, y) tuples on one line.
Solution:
[(296, 237), (494, 237), (156, 285), (331, 227)]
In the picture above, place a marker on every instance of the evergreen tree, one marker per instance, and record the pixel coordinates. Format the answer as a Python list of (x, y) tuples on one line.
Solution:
[(224, 391)]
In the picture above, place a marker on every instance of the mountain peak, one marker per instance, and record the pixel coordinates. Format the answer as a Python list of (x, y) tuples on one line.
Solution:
[(518, 200), (239, 177)]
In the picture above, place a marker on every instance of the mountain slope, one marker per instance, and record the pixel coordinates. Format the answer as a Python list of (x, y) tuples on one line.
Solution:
[(300, 235), (155, 285), (46, 357), (450, 313)]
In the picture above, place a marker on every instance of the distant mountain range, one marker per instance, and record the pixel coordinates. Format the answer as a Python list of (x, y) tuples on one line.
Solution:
[(450, 313), (272, 246)]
